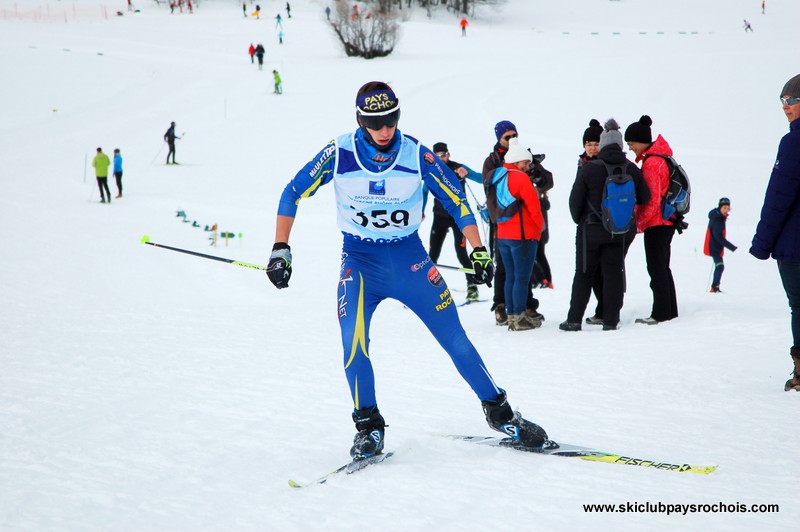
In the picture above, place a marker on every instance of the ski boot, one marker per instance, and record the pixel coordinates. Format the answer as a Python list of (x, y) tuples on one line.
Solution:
[(501, 418), (472, 292), (368, 441), (794, 382)]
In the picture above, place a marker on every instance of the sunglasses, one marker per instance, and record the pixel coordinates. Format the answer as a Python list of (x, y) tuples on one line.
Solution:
[(378, 121), (443, 154), (512, 136), (791, 100)]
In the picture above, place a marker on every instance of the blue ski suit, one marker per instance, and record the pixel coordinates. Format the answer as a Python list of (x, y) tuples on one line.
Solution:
[(379, 210)]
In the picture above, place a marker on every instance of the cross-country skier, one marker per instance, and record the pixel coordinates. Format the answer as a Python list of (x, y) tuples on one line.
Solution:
[(169, 138), (378, 173)]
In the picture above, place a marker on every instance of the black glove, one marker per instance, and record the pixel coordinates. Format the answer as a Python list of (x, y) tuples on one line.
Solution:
[(279, 268), (483, 266)]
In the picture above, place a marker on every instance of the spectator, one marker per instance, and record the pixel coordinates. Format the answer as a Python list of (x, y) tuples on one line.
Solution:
[(464, 23), (595, 247), (658, 232), (716, 242), (101, 164), (278, 82), (443, 223), (252, 52), (591, 148), (518, 237), (778, 231), (504, 131)]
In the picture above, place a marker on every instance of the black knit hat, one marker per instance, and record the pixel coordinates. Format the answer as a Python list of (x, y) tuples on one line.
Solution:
[(439, 147), (592, 133), (640, 131), (724, 201)]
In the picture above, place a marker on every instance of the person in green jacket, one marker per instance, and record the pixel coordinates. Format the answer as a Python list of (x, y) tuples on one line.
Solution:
[(101, 163), (278, 82)]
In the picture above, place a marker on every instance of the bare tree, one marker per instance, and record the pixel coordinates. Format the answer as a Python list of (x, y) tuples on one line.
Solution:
[(368, 35)]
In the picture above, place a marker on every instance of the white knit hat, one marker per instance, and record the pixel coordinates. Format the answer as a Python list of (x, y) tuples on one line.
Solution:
[(516, 153)]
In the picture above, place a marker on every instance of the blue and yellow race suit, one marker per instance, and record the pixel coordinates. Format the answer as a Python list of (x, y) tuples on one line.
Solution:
[(379, 209)]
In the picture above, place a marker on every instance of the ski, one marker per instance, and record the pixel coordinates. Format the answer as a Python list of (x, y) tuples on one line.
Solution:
[(585, 453), (469, 302), (349, 468)]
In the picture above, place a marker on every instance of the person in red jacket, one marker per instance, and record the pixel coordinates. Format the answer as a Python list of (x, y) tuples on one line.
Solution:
[(252, 52), (658, 232), (518, 237), (463, 25)]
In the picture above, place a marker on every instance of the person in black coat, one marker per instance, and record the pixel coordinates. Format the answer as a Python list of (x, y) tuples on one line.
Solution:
[(716, 241), (594, 246)]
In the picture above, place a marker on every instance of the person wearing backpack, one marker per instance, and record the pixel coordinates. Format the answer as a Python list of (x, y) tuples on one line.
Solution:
[(658, 232), (504, 131), (778, 230), (518, 234), (596, 246), (715, 242)]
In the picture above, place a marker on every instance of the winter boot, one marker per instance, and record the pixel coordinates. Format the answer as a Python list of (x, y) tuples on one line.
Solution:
[(500, 316), (794, 382), (369, 439), (521, 322), (569, 326), (594, 320), (532, 313), (472, 292), (501, 418)]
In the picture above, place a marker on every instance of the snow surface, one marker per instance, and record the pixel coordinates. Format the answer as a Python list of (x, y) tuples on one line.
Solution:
[(142, 389)]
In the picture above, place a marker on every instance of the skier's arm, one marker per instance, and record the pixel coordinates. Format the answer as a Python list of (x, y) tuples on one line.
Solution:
[(472, 175), (317, 172), (444, 185)]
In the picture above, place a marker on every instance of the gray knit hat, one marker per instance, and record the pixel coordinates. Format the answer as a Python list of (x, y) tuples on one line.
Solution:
[(611, 135), (792, 87)]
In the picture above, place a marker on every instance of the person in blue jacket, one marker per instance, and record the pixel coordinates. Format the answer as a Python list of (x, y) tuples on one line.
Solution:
[(378, 173), (716, 240), (778, 231), (443, 223), (118, 171)]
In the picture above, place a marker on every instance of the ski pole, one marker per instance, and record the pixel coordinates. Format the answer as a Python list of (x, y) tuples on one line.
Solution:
[(146, 240), (157, 154), (456, 268)]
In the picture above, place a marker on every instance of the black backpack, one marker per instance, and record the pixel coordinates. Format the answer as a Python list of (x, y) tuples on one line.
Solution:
[(619, 198), (679, 193)]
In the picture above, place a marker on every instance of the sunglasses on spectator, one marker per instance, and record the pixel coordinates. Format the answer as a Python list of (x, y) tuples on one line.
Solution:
[(442, 154), (791, 100), (512, 136)]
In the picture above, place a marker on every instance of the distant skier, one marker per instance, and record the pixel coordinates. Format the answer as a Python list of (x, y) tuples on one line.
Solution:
[(260, 55), (252, 52), (747, 26), (101, 164), (244, 9), (464, 23), (280, 37), (288, 10), (118, 171), (169, 138), (763, 6), (278, 23), (278, 82), (328, 12)]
